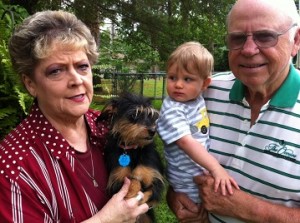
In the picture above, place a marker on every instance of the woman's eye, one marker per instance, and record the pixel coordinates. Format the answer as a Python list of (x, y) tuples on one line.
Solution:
[(54, 73), (84, 66)]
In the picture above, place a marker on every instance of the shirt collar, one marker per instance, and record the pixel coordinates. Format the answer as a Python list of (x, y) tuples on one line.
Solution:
[(52, 138), (285, 96)]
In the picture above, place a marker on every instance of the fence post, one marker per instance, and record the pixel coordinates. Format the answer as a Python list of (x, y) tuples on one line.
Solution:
[(141, 76), (155, 80), (164, 87), (114, 83)]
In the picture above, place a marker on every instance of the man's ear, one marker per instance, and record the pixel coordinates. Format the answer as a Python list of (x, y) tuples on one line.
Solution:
[(206, 83), (296, 46), (29, 84)]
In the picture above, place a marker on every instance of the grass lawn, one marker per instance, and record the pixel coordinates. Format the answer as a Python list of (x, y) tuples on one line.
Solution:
[(154, 88), (149, 87), (162, 211)]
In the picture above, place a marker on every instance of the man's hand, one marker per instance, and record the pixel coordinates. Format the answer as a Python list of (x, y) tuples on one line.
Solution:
[(214, 201), (243, 206), (185, 210)]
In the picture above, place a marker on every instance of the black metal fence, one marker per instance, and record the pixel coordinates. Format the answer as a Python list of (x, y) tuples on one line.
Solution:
[(108, 84)]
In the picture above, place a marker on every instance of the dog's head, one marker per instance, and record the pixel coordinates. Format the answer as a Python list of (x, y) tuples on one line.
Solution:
[(132, 118)]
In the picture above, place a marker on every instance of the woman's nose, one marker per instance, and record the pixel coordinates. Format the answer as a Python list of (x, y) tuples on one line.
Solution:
[(75, 77)]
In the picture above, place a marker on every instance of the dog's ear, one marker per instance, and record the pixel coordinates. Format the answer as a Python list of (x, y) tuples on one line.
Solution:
[(108, 111)]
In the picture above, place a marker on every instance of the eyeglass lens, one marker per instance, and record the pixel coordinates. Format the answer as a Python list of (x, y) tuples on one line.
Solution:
[(262, 39)]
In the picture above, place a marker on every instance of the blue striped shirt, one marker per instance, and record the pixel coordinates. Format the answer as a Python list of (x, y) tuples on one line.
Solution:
[(176, 120)]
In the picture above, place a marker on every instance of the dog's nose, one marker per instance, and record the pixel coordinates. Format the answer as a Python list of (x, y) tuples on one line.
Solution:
[(152, 132)]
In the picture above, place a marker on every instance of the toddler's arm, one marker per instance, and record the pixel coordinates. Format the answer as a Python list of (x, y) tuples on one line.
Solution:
[(197, 152)]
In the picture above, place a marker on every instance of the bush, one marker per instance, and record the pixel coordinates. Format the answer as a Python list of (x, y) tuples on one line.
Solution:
[(14, 101)]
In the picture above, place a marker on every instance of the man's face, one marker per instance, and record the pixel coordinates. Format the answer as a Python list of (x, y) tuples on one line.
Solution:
[(259, 68)]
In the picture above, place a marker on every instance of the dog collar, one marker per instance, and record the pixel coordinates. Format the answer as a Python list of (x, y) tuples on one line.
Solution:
[(128, 147)]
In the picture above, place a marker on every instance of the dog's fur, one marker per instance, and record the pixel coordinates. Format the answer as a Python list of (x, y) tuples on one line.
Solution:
[(132, 128)]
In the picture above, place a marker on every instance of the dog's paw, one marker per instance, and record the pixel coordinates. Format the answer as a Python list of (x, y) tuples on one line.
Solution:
[(135, 187), (144, 179)]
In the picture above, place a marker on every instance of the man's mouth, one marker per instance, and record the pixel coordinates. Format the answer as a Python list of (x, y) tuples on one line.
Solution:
[(252, 65)]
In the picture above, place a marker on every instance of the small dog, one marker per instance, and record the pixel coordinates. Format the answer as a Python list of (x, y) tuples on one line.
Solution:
[(130, 150)]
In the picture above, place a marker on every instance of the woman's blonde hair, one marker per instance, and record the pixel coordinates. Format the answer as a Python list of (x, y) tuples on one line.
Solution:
[(33, 39), (195, 54)]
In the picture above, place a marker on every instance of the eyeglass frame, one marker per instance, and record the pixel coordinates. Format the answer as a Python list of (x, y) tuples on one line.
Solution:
[(276, 34)]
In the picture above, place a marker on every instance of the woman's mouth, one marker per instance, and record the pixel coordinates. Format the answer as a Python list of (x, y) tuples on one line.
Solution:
[(78, 98)]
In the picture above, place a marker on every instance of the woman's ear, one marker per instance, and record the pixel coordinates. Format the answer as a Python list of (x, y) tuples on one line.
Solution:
[(206, 83), (29, 84)]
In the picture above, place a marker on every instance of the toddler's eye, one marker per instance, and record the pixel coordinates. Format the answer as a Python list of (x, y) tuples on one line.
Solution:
[(171, 78)]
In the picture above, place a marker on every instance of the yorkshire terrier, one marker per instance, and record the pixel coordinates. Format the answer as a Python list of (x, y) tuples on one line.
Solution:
[(130, 150)]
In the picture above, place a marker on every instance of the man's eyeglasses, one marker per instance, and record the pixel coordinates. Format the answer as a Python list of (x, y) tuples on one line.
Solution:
[(263, 38)]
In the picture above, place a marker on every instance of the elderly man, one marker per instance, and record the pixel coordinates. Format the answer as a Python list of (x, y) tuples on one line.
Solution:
[(255, 120)]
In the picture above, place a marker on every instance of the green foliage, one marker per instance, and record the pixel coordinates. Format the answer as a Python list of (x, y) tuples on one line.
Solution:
[(146, 32), (163, 25), (119, 55), (14, 101)]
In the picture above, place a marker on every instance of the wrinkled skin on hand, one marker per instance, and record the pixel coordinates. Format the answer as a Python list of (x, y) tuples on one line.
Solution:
[(185, 210)]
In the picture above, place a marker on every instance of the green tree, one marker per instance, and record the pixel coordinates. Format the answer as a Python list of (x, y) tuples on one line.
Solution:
[(163, 25), (14, 101), (151, 29)]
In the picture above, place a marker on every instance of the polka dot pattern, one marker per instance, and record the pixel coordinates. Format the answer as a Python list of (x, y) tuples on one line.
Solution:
[(35, 133)]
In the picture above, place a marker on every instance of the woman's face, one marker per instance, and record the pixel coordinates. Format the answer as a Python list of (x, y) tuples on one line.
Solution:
[(62, 84)]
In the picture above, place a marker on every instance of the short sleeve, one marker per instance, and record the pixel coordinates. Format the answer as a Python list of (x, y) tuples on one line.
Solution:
[(172, 124)]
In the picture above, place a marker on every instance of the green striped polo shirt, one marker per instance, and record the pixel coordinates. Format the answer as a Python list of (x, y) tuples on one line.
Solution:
[(264, 158)]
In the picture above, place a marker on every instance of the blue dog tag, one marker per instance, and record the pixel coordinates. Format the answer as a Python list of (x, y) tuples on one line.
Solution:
[(124, 160)]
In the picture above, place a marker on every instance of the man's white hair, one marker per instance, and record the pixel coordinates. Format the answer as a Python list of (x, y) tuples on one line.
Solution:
[(285, 7)]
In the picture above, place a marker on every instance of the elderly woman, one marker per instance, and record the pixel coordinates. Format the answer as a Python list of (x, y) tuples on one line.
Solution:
[(51, 165)]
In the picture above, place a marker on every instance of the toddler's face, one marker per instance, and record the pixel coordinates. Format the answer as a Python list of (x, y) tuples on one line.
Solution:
[(185, 86)]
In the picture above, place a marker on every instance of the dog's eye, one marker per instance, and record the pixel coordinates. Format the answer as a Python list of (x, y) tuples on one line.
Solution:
[(134, 116), (153, 116)]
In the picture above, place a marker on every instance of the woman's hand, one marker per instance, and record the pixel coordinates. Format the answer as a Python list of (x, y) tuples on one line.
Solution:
[(119, 210)]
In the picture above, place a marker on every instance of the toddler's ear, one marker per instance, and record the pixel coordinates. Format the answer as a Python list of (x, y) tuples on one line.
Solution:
[(206, 83)]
